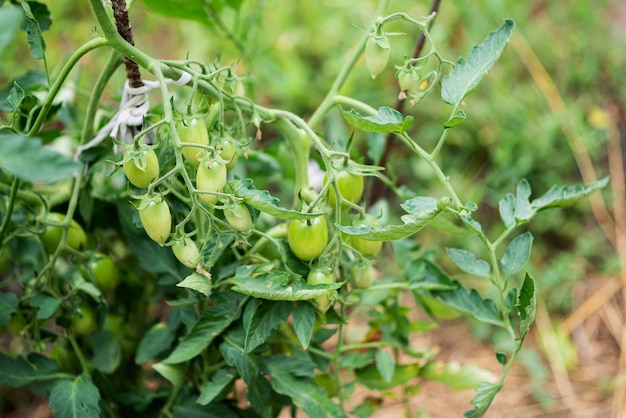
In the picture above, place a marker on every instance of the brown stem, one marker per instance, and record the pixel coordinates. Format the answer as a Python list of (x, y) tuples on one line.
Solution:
[(377, 190), (120, 13)]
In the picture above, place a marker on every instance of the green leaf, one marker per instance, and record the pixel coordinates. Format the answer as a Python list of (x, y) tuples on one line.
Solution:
[(15, 97), (465, 76), (216, 387), (10, 21), (264, 202), (197, 282), (33, 30), (501, 357), (174, 373), (181, 9), (278, 285), (527, 306), (154, 342), (267, 317), (30, 82), (516, 254), (472, 224), (27, 159), (485, 392), (420, 212), (188, 409), (213, 250), (76, 398), (213, 320), (9, 302), (107, 352), (371, 377), (458, 117), (468, 262), (455, 376), (17, 372), (303, 322), (565, 196), (386, 120), (523, 210), (507, 210), (385, 365), (46, 303)]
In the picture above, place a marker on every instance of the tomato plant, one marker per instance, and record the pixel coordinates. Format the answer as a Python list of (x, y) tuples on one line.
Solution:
[(244, 252)]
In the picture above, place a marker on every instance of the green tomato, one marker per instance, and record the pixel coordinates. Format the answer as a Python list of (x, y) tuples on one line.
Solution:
[(239, 217), (308, 238), (65, 358), (142, 167), (104, 271), (230, 154), (317, 276), (437, 307), (84, 322), (186, 251), (211, 179), (195, 132), (362, 275), (51, 237), (16, 324), (350, 186), (365, 247), (156, 219), (377, 52)]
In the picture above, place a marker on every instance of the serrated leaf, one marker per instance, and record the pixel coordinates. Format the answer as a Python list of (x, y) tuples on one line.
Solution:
[(214, 249), (198, 282), (15, 97), (455, 376), (33, 30), (215, 387), (76, 398), (107, 352), (371, 378), (468, 262), (213, 320), (420, 212), (565, 196), (386, 120), (485, 392), (303, 322), (46, 303), (385, 365), (154, 342), (27, 159), (9, 303), (527, 306), (516, 254), (30, 82), (267, 317), (465, 76), (17, 372), (458, 117), (265, 202), (507, 210), (278, 285), (173, 373)]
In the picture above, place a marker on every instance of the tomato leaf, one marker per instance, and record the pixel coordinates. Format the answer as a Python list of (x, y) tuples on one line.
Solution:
[(465, 76), (75, 398), (267, 317), (9, 303), (27, 159), (468, 262), (516, 254), (485, 392), (107, 352), (34, 28), (385, 365), (455, 376), (158, 339), (174, 373), (303, 322), (278, 285), (29, 82), (216, 387), (47, 304), (458, 117), (265, 202), (371, 377), (564, 196), (213, 320), (18, 371), (386, 120), (527, 306), (198, 282), (11, 18)]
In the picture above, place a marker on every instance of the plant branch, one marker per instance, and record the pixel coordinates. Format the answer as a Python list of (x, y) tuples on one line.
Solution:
[(120, 13)]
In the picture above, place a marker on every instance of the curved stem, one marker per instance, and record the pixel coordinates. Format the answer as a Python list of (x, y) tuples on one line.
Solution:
[(7, 215)]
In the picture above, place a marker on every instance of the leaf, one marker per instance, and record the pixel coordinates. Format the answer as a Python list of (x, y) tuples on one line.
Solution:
[(197, 282), (385, 365), (472, 224), (17, 372), (15, 97), (565, 196), (46, 303), (9, 303), (33, 30), (371, 378), (386, 120), (76, 398), (213, 320), (507, 210), (458, 117), (421, 211), (154, 342), (188, 409), (264, 202), (107, 352), (516, 254), (10, 20), (27, 159), (523, 210), (468, 262), (30, 82), (485, 392), (215, 247), (181, 9), (278, 285), (455, 376), (219, 383), (267, 317), (304, 322), (527, 306), (174, 373), (465, 76), (501, 357)]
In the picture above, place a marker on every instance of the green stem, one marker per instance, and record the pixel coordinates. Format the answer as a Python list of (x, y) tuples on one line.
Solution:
[(7, 216), (300, 146), (77, 350), (60, 80), (355, 104)]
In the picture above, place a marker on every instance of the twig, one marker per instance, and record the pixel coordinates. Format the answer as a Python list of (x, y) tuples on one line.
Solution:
[(120, 13)]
